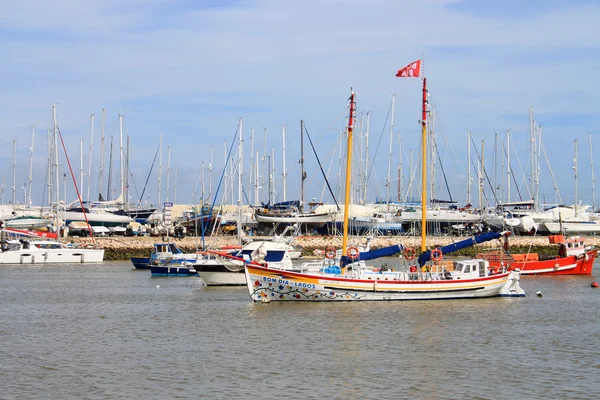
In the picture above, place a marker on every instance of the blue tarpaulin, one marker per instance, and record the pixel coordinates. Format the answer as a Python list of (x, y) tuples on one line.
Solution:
[(373, 254), (485, 237)]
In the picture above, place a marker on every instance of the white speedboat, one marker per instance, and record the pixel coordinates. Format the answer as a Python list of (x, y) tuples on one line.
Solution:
[(24, 251)]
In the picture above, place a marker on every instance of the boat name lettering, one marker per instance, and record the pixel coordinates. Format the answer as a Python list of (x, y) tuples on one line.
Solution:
[(286, 282)]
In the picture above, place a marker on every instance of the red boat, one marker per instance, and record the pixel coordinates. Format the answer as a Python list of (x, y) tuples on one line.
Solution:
[(573, 259)]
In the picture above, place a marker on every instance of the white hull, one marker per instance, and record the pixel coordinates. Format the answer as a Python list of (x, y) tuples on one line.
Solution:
[(27, 223), (212, 278), (48, 256), (573, 227), (315, 220), (265, 285), (95, 218)]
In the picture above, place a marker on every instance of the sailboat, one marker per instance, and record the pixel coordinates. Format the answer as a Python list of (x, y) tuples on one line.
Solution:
[(353, 280), (22, 247), (289, 213)]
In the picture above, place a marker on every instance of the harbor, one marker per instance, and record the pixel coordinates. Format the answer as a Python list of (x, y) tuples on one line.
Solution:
[(123, 248), (311, 200)]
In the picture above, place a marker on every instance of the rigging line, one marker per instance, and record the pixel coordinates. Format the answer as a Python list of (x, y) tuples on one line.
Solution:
[(487, 178), (379, 143), (148, 178), (513, 176), (521, 168), (321, 168), (551, 173), (212, 206), (76, 188), (437, 150)]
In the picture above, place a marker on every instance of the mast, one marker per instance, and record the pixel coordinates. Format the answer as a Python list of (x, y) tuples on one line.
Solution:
[(272, 185), (168, 172), (389, 183), (575, 172), (159, 166), (252, 172), (508, 171), (56, 174), (110, 162), (31, 167), (262, 176), (424, 169), (593, 177), (102, 151), (210, 174), (126, 194), (57, 177), (399, 168), (49, 169), (348, 173), (240, 171), (480, 183), (14, 186), (81, 163), (122, 172), (469, 168), (256, 196), (90, 161), (410, 174), (366, 158), (302, 173), (283, 173)]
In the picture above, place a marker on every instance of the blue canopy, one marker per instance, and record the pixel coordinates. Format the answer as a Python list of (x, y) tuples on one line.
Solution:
[(373, 254), (485, 237)]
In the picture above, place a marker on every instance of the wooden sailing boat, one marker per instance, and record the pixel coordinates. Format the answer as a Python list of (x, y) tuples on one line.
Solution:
[(352, 279)]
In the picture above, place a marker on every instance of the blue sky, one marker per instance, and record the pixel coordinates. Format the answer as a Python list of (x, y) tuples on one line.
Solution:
[(190, 69)]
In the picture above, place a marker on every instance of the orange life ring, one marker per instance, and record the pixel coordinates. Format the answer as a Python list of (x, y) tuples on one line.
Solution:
[(330, 253), (352, 252), (409, 253), (436, 255)]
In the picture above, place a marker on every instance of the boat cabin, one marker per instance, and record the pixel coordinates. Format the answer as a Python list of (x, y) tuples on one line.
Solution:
[(568, 247), (470, 269)]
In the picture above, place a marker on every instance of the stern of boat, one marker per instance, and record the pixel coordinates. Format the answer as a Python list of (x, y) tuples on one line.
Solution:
[(512, 287)]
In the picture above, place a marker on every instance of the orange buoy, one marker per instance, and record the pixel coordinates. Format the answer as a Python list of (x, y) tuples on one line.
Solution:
[(594, 284)]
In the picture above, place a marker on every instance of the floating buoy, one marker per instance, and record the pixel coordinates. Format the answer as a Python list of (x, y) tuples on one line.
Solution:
[(157, 286), (539, 293), (265, 300), (594, 284)]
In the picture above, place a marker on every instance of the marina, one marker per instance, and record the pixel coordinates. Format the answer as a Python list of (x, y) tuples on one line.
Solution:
[(302, 199)]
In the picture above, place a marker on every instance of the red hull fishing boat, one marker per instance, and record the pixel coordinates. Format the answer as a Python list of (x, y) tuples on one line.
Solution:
[(573, 259)]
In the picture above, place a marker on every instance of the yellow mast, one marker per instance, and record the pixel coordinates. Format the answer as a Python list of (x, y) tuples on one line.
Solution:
[(424, 170), (348, 174)]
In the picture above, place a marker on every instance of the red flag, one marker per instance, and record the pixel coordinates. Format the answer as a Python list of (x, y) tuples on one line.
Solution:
[(412, 70)]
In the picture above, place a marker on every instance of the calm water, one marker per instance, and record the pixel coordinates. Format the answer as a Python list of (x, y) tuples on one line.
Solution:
[(107, 331)]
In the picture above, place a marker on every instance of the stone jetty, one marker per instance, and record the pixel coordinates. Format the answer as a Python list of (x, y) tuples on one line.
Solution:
[(123, 248)]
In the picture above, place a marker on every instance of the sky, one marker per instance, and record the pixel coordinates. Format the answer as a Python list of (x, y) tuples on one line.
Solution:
[(192, 69)]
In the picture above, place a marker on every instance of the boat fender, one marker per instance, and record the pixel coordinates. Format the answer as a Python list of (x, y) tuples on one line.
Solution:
[(352, 252), (436, 255), (409, 253), (594, 284), (330, 253), (556, 266), (587, 257)]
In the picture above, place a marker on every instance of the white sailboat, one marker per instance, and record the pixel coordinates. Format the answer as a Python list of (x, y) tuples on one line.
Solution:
[(29, 248), (353, 280)]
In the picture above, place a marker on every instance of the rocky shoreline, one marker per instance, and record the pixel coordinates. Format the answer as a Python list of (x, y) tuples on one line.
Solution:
[(123, 248)]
